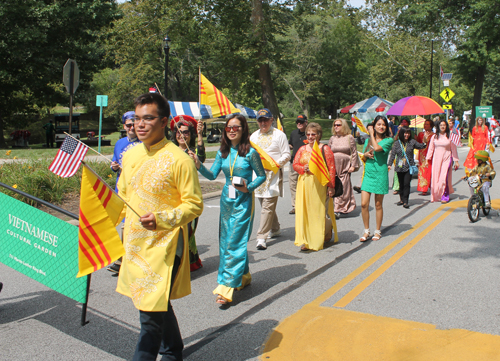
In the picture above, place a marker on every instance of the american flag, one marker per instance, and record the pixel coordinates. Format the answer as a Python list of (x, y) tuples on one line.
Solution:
[(67, 160), (455, 137)]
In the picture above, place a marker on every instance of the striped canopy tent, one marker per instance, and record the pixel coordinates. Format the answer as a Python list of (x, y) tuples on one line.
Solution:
[(371, 105), (346, 109), (204, 112)]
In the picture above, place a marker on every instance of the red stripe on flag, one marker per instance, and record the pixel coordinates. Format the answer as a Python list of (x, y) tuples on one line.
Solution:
[(326, 174), (219, 103), (103, 189), (86, 254), (319, 162), (96, 237), (110, 194), (90, 246)]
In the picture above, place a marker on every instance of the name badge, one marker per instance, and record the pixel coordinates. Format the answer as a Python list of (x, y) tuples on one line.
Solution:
[(400, 163), (232, 192)]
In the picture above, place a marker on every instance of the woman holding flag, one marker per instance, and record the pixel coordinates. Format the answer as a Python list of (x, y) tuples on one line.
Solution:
[(316, 185), (238, 161), (376, 178)]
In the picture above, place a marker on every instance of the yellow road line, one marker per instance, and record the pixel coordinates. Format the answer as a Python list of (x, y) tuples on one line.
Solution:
[(344, 301), (329, 293)]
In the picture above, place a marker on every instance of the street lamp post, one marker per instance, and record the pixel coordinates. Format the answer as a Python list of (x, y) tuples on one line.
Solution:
[(432, 56), (166, 48)]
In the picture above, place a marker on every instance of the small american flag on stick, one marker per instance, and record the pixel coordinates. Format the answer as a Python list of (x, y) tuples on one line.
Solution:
[(67, 160), (455, 137)]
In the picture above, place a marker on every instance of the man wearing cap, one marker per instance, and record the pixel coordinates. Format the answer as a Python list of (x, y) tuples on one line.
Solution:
[(273, 142), (121, 146), (296, 141)]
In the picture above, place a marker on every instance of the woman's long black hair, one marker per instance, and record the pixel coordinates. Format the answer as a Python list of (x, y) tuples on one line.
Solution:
[(387, 132), (438, 130), (244, 146), (192, 133), (402, 132)]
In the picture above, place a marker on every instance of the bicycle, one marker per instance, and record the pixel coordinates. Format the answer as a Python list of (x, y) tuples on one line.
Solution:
[(476, 201)]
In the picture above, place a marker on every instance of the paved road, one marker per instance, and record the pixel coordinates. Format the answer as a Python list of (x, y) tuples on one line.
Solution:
[(432, 271)]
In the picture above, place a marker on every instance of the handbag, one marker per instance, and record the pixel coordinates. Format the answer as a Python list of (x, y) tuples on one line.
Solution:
[(339, 190), (356, 168), (413, 168)]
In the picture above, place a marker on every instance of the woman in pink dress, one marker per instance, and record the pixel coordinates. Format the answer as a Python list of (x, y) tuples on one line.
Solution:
[(443, 154), (425, 169), (480, 138)]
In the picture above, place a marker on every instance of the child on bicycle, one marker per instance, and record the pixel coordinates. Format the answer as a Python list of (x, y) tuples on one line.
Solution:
[(486, 172)]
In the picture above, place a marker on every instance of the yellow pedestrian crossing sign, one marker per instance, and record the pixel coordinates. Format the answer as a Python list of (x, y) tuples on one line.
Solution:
[(447, 106), (447, 94)]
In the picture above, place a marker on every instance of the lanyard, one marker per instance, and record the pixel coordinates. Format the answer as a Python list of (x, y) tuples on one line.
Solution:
[(231, 168)]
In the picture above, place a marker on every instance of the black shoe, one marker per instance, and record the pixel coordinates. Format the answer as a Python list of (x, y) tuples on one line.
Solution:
[(115, 268), (357, 189), (399, 203), (1, 286), (292, 211), (406, 205), (337, 215)]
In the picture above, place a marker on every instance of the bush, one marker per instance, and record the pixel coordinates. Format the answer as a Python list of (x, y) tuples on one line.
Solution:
[(33, 177)]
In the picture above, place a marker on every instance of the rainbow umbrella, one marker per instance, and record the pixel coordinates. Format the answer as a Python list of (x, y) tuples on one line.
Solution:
[(415, 105)]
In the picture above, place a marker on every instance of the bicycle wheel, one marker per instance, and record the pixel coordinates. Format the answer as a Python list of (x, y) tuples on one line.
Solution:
[(473, 208), (486, 211)]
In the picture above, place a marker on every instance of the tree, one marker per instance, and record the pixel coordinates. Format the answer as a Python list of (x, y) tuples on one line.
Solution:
[(37, 39)]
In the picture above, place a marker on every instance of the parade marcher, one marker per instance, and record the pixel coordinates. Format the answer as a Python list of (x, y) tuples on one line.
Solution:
[(343, 146), (186, 138), (49, 134), (444, 156), (297, 138), (425, 168), (480, 141), (354, 129), (159, 181), (238, 161), (485, 170), (275, 144), (395, 183), (121, 146), (402, 153), (376, 175), (313, 226)]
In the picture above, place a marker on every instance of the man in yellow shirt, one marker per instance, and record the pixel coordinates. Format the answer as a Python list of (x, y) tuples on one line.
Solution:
[(160, 182)]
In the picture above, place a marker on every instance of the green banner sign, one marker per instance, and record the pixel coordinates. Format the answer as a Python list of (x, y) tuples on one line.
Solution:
[(484, 111), (41, 247)]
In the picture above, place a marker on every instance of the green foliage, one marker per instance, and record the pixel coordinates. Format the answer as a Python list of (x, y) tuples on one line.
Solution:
[(34, 178)]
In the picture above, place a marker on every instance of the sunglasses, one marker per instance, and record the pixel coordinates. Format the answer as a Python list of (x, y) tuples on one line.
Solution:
[(234, 128), (129, 125), (311, 134), (337, 125), (184, 132)]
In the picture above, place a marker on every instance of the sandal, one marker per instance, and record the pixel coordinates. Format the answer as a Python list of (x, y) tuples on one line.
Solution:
[(377, 235), (221, 300), (400, 203), (366, 236), (303, 248)]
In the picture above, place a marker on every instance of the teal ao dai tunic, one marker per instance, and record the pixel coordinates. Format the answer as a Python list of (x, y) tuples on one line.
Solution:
[(236, 215)]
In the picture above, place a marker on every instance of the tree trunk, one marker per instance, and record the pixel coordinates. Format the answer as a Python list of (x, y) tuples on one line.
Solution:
[(3, 144), (478, 91), (266, 82)]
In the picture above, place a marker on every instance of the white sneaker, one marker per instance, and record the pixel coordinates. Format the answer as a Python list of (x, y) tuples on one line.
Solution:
[(487, 205), (261, 244), (274, 234)]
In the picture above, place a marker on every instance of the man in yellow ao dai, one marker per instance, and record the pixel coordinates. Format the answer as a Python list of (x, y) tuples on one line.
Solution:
[(160, 182)]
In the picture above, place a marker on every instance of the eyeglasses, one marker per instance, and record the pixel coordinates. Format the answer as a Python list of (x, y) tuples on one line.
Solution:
[(129, 125), (146, 120), (262, 119), (234, 128), (337, 125), (184, 132), (311, 134)]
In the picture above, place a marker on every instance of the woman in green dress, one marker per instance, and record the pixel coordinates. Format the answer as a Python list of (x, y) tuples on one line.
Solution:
[(376, 176)]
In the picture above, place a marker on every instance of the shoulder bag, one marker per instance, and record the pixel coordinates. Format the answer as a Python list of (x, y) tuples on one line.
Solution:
[(339, 190), (413, 168)]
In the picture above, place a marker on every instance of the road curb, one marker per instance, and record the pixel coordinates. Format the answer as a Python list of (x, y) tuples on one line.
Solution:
[(212, 195)]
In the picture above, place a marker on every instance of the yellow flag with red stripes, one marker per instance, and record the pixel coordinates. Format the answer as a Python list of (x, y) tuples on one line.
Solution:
[(360, 125), (279, 125), (100, 208), (267, 161), (317, 165), (210, 95)]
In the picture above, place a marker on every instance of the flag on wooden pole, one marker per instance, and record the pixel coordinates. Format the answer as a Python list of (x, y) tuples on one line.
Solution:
[(267, 161), (100, 211), (360, 125), (210, 95), (67, 160), (317, 165), (279, 125)]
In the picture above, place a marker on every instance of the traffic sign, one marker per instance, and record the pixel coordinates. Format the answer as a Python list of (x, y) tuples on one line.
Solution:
[(447, 94), (447, 106), (71, 78), (101, 101)]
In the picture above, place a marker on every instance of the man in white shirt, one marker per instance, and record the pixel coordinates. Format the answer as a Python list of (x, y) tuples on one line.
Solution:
[(275, 143)]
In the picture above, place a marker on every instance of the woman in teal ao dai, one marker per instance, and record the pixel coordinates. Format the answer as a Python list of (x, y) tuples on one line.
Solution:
[(236, 159)]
